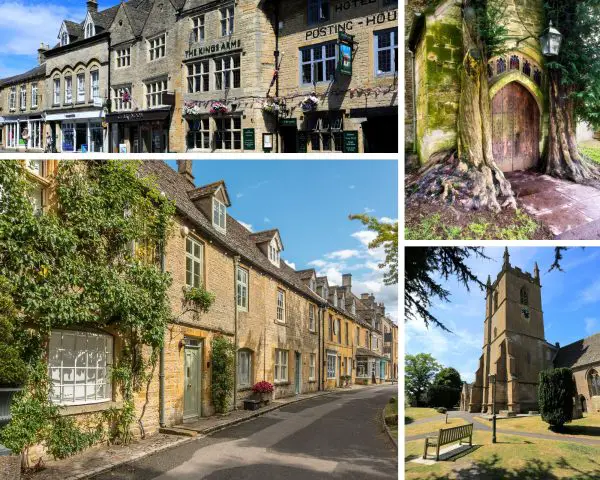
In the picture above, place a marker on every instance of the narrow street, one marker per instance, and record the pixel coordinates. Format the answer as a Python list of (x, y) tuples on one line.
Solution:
[(334, 436)]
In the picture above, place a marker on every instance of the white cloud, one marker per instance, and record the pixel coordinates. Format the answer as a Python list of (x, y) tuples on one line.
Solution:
[(342, 254), (365, 236), (239, 195), (267, 220), (247, 226), (388, 220), (369, 210), (317, 263), (591, 326), (290, 264), (351, 187), (591, 294), (24, 25)]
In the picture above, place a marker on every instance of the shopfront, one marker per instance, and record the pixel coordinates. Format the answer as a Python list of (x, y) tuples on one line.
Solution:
[(79, 132), (145, 131), (24, 133)]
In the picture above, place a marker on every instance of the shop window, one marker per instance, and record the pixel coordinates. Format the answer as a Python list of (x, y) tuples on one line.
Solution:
[(326, 132), (244, 368), (198, 134), (12, 98), (23, 97), (68, 90), (194, 263), (228, 135), (227, 72), (318, 11), (219, 219), (95, 84), (198, 77), (154, 93), (198, 28), (96, 137), (80, 87), (242, 288), (122, 98), (386, 52), (281, 365), (361, 368), (312, 366), (318, 62), (123, 57), (227, 20), (78, 366), (34, 95), (157, 47)]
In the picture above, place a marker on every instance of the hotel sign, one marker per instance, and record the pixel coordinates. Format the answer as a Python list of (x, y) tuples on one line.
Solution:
[(218, 47)]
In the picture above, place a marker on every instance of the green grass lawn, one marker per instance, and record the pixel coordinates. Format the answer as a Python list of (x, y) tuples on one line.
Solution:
[(586, 427), (512, 458), (591, 150), (391, 410), (417, 413)]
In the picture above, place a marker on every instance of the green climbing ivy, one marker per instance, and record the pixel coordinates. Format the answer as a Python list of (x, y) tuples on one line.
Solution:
[(78, 266), (222, 381)]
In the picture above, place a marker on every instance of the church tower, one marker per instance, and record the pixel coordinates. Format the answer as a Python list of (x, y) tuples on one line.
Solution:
[(514, 345)]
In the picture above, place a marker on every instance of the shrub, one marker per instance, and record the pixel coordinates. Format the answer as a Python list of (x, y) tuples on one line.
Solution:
[(393, 400), (262, 387), (14, 369), (66, 438), (441, 410), (555, 396), (442, 396), (223, 353)]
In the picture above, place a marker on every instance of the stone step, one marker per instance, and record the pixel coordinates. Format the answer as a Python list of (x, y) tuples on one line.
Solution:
[(178, 431), (507, 413)]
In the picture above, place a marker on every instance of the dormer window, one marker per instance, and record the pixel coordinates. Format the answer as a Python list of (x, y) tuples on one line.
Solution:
[(219, 215), (273, 253), (64, 39), (89, 30)]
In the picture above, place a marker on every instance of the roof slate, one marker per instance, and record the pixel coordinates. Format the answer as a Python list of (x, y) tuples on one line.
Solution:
[(38, 71), (580, 353), (365, 352), (237, 237)]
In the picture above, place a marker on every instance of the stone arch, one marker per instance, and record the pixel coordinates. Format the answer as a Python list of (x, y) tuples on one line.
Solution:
[(593, 382), (524, 80)]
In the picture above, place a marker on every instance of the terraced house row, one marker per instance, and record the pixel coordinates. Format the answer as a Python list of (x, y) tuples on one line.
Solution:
[(290, 328), (157, 76)]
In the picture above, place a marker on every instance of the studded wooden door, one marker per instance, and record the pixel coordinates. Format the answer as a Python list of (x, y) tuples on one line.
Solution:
[(515, 128)]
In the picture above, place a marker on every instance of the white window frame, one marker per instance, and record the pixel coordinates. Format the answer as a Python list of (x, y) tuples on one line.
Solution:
[(57, 370), (56, 92), (198, 28), (219, 215), (64, 39), (90, 30), (312, 364), (157, 47), (199, 136), (331, 365), (119, 104), (228, 72), (281, 365), (12, 98), (23, 97), (244, 358), (242, 277), (280, 305), (324, 58), (228, 133), (34, 94), (123, 57), (154, 93), (81, 87), (312, 317), (94, 84), (392, 48), (198, 75), (68, 89), (227, 21), (194, 263)]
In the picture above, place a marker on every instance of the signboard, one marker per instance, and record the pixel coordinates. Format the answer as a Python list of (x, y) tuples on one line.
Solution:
[(218, 47), (122, 148), (350, 141), (302, 139), (98, 102), (249, 140), (288, 122), (345, 42)]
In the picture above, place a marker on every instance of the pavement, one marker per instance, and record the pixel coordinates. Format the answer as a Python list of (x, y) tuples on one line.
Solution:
[(570, 210), (334, 436)]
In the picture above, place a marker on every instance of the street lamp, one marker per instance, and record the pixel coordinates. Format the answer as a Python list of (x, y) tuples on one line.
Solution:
[(550, 41), (492, 378)]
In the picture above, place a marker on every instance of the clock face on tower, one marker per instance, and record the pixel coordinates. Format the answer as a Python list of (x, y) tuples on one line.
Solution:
[(525, 313)]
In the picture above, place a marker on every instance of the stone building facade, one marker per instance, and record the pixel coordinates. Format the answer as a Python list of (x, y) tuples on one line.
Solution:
[(517, 80), (515, 350)]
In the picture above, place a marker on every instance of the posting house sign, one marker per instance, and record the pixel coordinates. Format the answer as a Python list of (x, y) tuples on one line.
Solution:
[(345, 43), (212, 49)]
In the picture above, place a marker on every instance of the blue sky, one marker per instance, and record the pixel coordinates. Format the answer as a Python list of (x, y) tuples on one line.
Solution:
[(309, 202), (24, 24), (570, 302)]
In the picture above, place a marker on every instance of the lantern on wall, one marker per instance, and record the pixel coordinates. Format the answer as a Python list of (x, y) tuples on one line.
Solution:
[(550, 41)]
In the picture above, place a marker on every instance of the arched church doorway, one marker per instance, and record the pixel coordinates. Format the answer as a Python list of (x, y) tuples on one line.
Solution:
[(515, 128), (583, 403)]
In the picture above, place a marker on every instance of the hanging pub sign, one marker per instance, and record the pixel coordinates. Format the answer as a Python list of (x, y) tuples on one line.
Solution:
[(345, 45)]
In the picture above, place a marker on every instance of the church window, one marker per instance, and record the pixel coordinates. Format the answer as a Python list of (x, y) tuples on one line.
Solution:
[(514, 62), (495, 332), (524, 296), (500, 66), (496, 301), (527, 68), (537, 77), (594, 383)]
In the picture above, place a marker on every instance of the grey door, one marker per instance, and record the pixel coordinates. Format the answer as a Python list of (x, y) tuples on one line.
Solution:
[(192, 375), (298, 373)]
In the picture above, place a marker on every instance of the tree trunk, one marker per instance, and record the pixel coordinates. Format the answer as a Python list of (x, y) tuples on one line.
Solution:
[(487, 184), (563, 159)]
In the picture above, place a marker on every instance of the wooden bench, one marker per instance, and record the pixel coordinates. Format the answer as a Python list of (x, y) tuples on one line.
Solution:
[(447, 436)]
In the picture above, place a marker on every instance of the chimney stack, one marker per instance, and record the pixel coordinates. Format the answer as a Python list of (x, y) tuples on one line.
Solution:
[(184, 167), (92, 6), (347, 282), (42, 53)]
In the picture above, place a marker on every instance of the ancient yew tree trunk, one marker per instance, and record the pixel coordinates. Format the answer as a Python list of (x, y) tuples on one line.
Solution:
[(563, 159), (486, 183)]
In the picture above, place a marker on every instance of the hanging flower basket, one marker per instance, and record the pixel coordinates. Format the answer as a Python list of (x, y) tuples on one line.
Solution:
[(310, 103), (192, 109), (272, 106), (218, 108)]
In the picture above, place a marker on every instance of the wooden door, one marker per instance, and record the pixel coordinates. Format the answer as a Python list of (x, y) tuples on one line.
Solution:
[(192, 373), (515, 128)]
